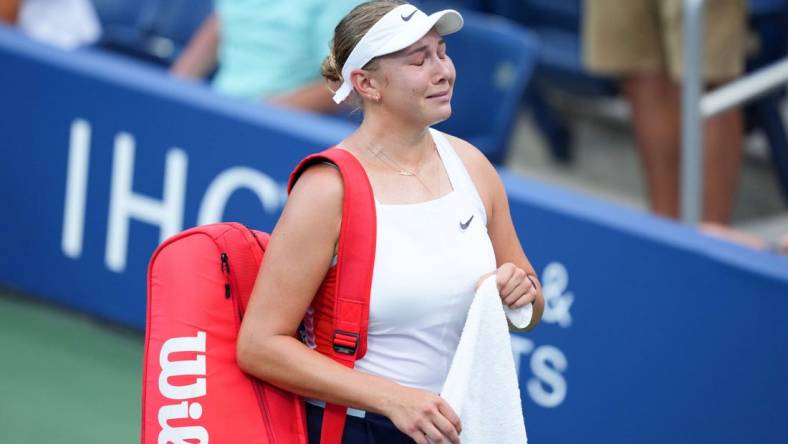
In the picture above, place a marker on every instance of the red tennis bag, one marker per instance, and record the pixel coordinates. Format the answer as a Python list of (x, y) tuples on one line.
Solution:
[(199, 284)]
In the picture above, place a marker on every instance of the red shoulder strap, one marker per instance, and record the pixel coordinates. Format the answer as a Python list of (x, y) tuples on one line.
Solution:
[(355, 261)]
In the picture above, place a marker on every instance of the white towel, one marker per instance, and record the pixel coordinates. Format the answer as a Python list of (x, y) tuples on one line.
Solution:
[(482, 382)]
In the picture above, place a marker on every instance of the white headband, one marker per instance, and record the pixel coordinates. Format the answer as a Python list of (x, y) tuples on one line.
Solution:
[(398, 29)]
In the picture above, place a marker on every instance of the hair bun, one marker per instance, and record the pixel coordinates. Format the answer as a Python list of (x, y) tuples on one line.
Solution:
[(330, 70)]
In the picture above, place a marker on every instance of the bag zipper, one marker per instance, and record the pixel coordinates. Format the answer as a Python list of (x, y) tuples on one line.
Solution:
[(226, 271), (225, 264)]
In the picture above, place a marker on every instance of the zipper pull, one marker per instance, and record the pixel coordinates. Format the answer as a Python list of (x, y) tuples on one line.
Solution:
[(226, 271), (225, 263)]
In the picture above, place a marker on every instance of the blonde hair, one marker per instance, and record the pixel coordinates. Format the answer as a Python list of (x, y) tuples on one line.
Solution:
[(349, 32)]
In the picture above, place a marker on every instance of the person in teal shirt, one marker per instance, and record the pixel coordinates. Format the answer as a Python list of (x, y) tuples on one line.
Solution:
[(266, 50)]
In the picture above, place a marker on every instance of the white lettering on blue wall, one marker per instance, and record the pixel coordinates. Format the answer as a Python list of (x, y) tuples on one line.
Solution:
[(547, 387), (166, 213), (76, 189), (125, 204), (219, 191), (557, 301), (547, 384)]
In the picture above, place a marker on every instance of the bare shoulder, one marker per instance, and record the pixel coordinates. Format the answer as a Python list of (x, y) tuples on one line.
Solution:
[(319, 189), (322, 178)]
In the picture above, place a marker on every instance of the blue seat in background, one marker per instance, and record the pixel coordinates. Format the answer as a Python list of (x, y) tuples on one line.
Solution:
[(495, 59), (122, 22), (769, 23), (175, 22), (153, 30), (558, 25), (430, 6)]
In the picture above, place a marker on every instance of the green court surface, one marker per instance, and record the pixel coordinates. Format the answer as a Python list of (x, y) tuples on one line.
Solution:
[(65, 378)]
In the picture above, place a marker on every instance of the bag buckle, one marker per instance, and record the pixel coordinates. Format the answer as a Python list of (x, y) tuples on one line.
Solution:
[(345, 342)]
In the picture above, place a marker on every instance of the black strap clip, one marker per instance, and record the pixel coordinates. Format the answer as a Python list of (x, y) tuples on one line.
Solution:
[(345, 342)]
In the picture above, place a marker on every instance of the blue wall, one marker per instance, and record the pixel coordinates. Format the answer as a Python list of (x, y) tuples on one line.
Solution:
[(171, 129), (673, 337), (652, 333)]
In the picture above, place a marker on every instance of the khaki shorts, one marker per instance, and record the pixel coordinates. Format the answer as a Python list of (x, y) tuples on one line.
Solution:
[(625, 37)]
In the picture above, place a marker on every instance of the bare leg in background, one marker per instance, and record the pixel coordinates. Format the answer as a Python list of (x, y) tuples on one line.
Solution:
[(655, 102), (723, 138)]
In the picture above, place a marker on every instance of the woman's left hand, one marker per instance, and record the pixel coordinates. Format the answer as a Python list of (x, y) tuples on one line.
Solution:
[(516, 287)]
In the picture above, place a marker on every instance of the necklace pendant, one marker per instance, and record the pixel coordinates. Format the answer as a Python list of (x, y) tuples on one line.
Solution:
[(405, 173)]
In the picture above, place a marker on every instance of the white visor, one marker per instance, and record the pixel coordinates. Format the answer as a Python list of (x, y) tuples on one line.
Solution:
[(398, 29)]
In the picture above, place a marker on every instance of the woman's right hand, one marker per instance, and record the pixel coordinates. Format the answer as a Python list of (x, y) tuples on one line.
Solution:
[(421, 414)]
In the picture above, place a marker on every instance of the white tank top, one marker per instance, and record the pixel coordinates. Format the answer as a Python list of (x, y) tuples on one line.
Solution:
[(428, 259)]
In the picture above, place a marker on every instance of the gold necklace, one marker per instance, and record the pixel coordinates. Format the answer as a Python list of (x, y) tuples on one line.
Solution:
[(402, 171)]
